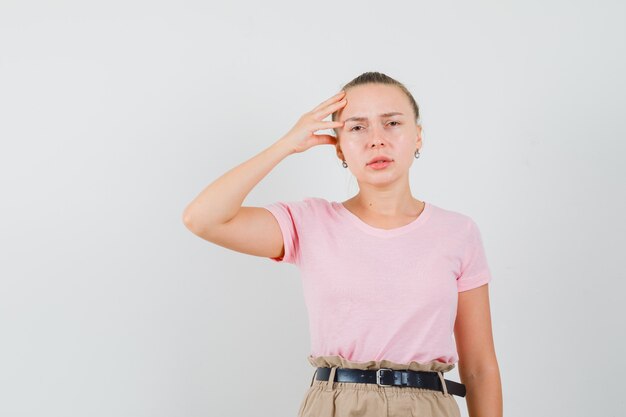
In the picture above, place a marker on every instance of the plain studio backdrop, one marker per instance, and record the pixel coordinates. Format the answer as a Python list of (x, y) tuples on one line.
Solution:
[(115, 115)]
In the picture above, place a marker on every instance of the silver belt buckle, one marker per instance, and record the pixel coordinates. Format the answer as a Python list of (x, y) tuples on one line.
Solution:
[(378, 377)]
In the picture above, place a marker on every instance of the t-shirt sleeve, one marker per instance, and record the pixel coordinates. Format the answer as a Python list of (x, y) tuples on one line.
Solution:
[(474, 267), (289, 216)]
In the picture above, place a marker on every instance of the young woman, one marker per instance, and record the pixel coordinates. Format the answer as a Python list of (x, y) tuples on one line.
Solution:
[(387, 278)]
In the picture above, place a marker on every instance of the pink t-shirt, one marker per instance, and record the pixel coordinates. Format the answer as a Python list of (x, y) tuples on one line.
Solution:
[(374, 294)]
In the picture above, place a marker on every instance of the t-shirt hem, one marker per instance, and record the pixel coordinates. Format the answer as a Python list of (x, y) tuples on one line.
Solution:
[(475, 283)]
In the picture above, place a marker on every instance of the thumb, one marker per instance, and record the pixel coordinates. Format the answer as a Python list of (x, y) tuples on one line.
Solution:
[(326, 140)]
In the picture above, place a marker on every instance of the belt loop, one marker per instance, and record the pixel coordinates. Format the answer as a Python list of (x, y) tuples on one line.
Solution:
[(331, 378), (313, 378), (443, 383)]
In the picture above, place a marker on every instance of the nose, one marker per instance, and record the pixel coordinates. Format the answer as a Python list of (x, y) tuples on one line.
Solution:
[(376, 142), (377, 137)]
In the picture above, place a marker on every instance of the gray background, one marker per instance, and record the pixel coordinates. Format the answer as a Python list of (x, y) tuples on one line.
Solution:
[(115, 115)]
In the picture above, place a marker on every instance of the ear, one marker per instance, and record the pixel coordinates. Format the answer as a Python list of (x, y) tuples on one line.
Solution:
[(418, 144), (339, 152)]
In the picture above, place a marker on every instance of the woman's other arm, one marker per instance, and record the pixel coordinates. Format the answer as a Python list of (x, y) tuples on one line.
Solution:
[(478, 366)]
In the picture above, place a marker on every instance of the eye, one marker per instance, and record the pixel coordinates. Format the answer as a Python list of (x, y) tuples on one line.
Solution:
[(354, 127), (397, 123)]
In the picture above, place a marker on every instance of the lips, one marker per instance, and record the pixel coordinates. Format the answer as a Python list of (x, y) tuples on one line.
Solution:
[(379, 158)]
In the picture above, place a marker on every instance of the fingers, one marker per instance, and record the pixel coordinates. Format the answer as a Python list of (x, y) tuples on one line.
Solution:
[(328, 124), (334, 98), (326, 140), (322, 112)]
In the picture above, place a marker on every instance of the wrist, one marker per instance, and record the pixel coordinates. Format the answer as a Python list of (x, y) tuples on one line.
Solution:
[(283, 147)]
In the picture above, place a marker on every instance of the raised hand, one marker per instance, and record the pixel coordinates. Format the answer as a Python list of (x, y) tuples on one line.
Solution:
[(302, 137)]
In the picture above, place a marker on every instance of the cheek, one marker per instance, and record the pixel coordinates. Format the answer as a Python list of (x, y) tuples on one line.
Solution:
[(406, 138), (349, 141)]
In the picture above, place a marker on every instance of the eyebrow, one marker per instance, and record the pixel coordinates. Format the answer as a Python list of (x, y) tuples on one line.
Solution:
[(360, 118)]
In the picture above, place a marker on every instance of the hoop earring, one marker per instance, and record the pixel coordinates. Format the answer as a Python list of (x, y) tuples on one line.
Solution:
[(344, 164), (417, 153)]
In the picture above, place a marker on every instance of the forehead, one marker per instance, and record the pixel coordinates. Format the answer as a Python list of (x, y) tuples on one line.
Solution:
[(372, 101)]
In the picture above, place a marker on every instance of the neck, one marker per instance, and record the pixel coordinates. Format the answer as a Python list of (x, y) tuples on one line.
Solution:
[(387, 205)]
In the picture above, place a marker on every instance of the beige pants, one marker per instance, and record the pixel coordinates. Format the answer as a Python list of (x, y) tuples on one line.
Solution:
[(352, 399)]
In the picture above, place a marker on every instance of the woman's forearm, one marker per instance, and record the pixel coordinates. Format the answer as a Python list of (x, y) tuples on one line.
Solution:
[(221, 200), (484, 393)]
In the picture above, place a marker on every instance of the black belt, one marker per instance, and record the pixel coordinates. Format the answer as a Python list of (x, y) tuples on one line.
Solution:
[(386, 377)]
